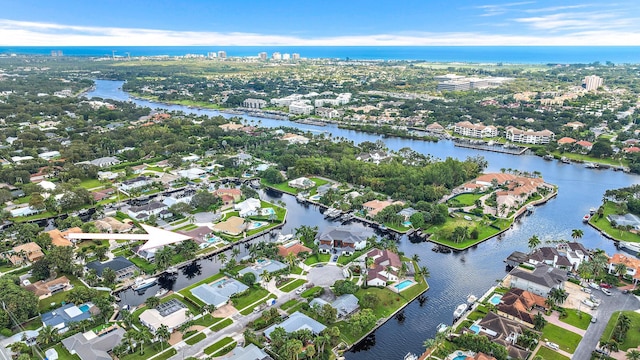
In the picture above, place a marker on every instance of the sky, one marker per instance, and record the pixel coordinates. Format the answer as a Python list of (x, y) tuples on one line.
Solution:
[(318, 23)]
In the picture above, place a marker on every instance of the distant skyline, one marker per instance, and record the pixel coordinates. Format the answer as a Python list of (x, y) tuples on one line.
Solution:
[(320, 23)]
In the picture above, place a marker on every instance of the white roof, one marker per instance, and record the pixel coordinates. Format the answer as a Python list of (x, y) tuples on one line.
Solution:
[(172, 321), (47, 185)]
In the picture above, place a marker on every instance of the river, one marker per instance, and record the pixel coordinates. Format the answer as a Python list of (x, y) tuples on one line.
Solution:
[(455, 275)]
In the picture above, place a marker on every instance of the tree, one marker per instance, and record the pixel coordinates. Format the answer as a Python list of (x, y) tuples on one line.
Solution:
[(341, 287), (222, 257), (539, 322), (41, 269), (265, 276), (152, 302), (291, 259), (558, 295), (633, 354), (100, 252), (249, 278), (576, 234), (163, 335), (204, 200), (163, 258), (534, 242), (43, 240), (143, 336), (126, 317), (109, 276), (180, 208), (48, 335), (21, 303), (187, 249), (416, 258), (61, 259), (620, 269), (272, 175), (369, 301)]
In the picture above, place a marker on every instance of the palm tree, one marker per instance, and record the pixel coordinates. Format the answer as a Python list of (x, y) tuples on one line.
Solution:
[(534, 242), (141, 337), (424, 271), (609, 346), (291, 259), (127, 318), (266, 276), (576, 234), (620, 269), (416, 258), (222, 257), (235, 252), (48, 335), (129, 337), (163, 335), (152, 302), (633, 354), (539, 322)]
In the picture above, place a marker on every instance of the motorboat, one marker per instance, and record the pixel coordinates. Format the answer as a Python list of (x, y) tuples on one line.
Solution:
[(442, 327), (161, 292), (586, 218), (460, 310), (141, 284), (633, 248), (284, 238), (410, 356), (592, 211), (564, 160), (471, 299)]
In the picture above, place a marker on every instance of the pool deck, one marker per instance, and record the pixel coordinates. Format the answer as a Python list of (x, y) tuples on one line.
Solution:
[(393, 287)]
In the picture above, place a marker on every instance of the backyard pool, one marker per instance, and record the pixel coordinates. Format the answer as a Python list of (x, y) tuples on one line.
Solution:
[(475, 328), (406, 224), (401, 286), (495, 299), (84, 308), (213, 239), (256, 224), (268, 211), (219, 282)]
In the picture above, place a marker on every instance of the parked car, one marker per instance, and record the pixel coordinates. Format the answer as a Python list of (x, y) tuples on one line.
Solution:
[(587, 290), (594, 319), (594, 286), (606, 291), (552, 346), (606, 286)]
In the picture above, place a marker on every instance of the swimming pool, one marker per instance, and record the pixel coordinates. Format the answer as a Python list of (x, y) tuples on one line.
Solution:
[(475, 328), (219, 282), (460, 357), (256, 224), (213, 239), (495, 299), (268, 211), (84, 308), (406, 224), (403, 285)]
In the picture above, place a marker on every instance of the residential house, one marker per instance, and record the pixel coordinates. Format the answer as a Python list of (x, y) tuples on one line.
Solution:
[(190, 158), (435, 128), (143, 212), (375, 157), (107, 175), (175, 198), (549, 256), (230, 126), (219, 293), (329, 113), (105, 161), (341, 240), (575, 252), (566, 141), (625, 220), (123, 268), (254, 103), (88, 346), (346, 305), (292, 247), (59, 238), (466, 128), (138, 169), (229, 196), (294, 139), (44, 289), (585, 145), (135, 183), (192, 173), (302, 183), (172, 314), (297, 321), (248, 207), (112, 225), (505, 332), (48, 155), (30, 252), (407, 213), (250, 352), (518, 304), (384, 269), (65, 315), (373, 207), (632, 264), (267, 265), (540, 281)]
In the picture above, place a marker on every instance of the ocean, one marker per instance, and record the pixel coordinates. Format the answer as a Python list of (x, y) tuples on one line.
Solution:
[(469, 54)]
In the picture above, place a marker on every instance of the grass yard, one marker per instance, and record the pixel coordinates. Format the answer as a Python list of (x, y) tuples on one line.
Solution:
[(463, 200), (195, 339), (143, 264), (485, 230), (581, 321), (632, 339), (284, 187), (166, 354), (567, 340), (292, 285), (91, 183), (319, 258), (251, 296), (313, 292), (206, 320), (289, 304), (297, 270), (148, 351), (63, 353), (587, 158), (548, 354), (388, 302), (221, 324), (604, 225), (218, 345)]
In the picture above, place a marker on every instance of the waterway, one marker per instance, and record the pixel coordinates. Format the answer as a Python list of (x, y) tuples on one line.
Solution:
[(455, 275)]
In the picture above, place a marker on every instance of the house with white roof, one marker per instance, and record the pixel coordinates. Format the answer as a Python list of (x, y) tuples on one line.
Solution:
[(192, 173), (302, 183), (248, 207)]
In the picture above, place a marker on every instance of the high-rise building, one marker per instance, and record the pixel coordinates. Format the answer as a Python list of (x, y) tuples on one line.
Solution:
[(592, 82), (276, 56), (295, 56), (212, 55), (56, 52), (222, 54), (286, 56), (262, 55)]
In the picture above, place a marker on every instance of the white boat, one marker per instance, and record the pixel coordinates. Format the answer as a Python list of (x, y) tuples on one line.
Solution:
[(633, 248), (471, 299), (161, 292), (410, 356), (460, 310), (442, 327), (141, 284), (284, 238), (592, 211), (586, 218)]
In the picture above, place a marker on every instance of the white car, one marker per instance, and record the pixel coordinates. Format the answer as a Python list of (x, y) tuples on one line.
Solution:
[(594, 286), (606, 291), (587, 290), (552, 346)]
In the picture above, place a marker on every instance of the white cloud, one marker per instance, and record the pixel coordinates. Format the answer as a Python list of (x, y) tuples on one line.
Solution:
[(499, 9), (20, 33), (572, 21)]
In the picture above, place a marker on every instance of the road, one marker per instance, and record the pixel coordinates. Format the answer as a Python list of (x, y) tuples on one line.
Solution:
[(610, 304)]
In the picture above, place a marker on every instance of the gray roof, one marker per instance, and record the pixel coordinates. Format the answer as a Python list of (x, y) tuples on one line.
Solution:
[(105, 161), (251, 352), (624, 220), (219, 294), (297, 321), (116, 264), (543, 275), (346, 304), (318, 301), (271, 266), (151, 205), (407, 212), (95, 348), (65, 314), (135, 180), (344, 234)]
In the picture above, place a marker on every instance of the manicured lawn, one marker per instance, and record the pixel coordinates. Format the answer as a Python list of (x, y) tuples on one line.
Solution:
[(63, 353), (311, 293), (143, 264), (604, 224), (319, 182), (42, 215), (297, 270), (187, 227), (463, 200), (251, 296), (581, 321), (249, 309), (206, 320), (166, 354), (632, 339), (388, 302), (221, 325), (218, 345), (195, 339), (289, 304), (91, 183), (292, 285), (548, 354), (318, 258), (282, 187), (587, 158), (567, 340), (148, 351), (484, 230)]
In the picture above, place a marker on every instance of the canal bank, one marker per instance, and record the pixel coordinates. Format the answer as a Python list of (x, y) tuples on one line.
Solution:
[(453, 275)]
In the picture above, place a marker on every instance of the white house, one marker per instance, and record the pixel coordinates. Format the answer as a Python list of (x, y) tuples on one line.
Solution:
[(49, 155), (135, 183), (191, 158), (302, 183), (248, 207), (191, 173)]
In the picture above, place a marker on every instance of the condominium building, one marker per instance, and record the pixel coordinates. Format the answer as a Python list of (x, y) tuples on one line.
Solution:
[(300, 108), (529, 136), (295, 56), (262, 55), (222, 54), (254, 103), (286, 56), (592, 82), (478, 130), (276, 56)]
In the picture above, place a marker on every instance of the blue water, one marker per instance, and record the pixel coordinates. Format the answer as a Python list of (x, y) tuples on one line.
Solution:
[(256, 224), (460, 357), (474, 328), (403, 284), (84, 308), (495, 299), (493, 54), (268, 211), (219, 282)]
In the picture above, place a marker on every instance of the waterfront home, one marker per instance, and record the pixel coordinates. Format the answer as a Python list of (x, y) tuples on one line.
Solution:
[(229, 196), (375, 157), (540, 281), (373, 207), (23, 211), (435, 128), (44, 289), (466, 128), (219, 292), (549, 256), (135, 183), (61, 317), (191, 173), (297, 321), (504, 332), (143, 212), (632, 264), (294, 139), (123, 268), (384, 269), (518, 304), (566, 141), (585, 145), (248, 207), (172, 314), (292, 247), (302, 183), (233, 226), (261, 265), (91, 346), (112, 225), (625, 220), (344, 240), (231, 126), (60, 238), (345, 305), (30, 252), (406, 213), (250, 352)]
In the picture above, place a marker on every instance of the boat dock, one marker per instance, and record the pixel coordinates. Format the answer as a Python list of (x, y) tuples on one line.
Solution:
[(499, 148)]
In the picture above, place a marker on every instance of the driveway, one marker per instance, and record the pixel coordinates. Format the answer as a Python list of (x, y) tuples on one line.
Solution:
[(617, 301), (325, 275)]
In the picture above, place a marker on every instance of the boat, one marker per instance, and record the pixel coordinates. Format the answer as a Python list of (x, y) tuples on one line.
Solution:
[(633, 248), (126, 307), (410, 356), (592, 165), (471, 299), (161, 292), (300, 198), (442, 328), (460, 310), (592, 211), (564, 160), (284, 238), (548, 157), (382, 227), (141, 284), (586, 218)]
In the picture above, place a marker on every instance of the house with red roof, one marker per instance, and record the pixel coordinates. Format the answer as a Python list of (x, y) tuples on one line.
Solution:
[(384, 269)]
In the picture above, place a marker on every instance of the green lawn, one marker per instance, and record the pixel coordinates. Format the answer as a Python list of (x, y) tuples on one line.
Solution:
[(581, 320), (292, 285), (282, 187), (251, 296), (297, 270), (289, 304), (484, 230), (166, 354), (195, 339), (44, 305), (463, 200), (311, 293), (632, 339), (587, 158), (318, 258), (567, 340), (218, 345), (91, 183), (63, 353), (206, 320), (143, 264), (148, 351), (221, 325), (548, 354), (604, 225)]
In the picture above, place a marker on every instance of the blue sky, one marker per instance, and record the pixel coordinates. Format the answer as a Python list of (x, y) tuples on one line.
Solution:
[(326, 22)]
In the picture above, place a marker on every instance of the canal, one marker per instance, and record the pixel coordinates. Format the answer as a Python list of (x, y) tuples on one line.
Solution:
[(453, 276)]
